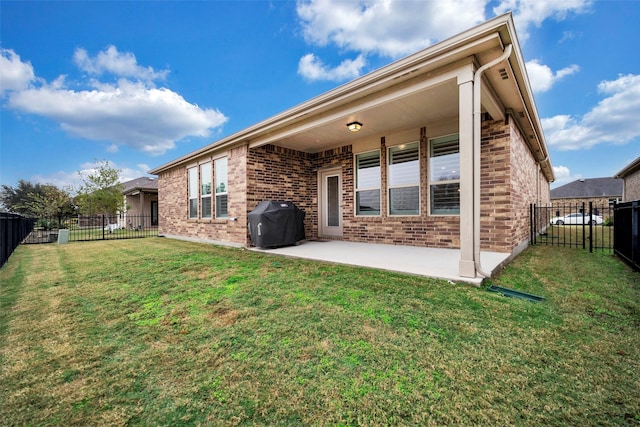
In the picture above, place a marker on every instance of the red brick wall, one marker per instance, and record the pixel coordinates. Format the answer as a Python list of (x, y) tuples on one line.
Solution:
[(524, 186), (422, 230), (496, 221), (276, 173), (509, 183), (173, 202), (632, 186)]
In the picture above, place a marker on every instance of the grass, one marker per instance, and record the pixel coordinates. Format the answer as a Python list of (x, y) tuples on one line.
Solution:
[(162, 332)]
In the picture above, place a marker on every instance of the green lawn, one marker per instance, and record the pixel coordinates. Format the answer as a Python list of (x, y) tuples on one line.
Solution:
[(162, 332)]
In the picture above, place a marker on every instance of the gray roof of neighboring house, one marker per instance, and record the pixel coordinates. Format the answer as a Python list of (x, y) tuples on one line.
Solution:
[(587, 188), (141, 184), (629, 169)]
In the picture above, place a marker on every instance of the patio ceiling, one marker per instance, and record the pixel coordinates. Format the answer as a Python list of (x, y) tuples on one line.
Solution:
[(312, 135)]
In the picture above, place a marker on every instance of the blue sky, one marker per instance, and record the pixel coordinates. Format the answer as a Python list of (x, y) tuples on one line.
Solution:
[(141, 83)]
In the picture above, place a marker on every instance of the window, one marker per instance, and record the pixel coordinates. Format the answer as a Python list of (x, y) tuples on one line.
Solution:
[(222, 206), (404, 179), (368, 183), (193, 192), (205, 190), (444, 175)]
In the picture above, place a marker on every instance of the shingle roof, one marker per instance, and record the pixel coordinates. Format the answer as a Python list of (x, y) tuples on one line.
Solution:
[(142, 183), (593, 187), (629, 169)]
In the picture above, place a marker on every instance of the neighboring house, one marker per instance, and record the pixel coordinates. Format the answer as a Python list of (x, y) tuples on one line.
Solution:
[(420, 171), (631, 177), (603, 192), (141, 202)]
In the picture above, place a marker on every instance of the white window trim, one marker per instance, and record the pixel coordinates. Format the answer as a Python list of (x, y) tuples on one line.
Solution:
[(200, 190), (215, 186), (197, 196), (389, 187), (429, 182), (355, 184)]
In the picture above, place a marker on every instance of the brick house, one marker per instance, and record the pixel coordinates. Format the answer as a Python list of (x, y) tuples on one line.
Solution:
[(630, 175), (602, 192), (449, 153), (141, 201)]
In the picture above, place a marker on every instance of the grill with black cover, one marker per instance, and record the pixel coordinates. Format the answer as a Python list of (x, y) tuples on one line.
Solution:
[(276, 223)]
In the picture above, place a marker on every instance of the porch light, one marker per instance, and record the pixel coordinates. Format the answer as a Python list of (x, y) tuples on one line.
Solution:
[(354, 126)]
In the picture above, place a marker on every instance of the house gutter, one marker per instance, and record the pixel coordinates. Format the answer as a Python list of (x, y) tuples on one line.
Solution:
[(477, 139)]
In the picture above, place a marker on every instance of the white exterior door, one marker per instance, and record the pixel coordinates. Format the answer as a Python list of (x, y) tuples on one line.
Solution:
[(330, 202)]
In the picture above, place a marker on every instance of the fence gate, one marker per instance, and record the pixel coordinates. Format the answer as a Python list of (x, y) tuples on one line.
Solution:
[(579, 225)]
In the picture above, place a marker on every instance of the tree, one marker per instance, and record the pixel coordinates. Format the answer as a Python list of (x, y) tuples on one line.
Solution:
[(101, 193), (37, 200), (52, 203), (15, 199)]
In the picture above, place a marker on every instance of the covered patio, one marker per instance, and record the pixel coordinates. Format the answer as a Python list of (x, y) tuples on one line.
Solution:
[(421, 261)]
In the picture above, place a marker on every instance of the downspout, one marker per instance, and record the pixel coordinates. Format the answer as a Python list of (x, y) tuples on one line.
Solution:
[(477, 139)]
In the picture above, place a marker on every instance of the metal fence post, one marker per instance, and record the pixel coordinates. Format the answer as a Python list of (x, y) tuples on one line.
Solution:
[(531, 224), (103, 238), (614, 213), (590, 227), (635, 233)]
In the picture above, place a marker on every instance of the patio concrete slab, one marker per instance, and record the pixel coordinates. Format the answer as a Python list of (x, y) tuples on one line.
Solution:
[(430, 262)]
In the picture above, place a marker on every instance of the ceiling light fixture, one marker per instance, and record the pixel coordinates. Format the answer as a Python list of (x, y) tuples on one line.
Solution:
[(354, 126)]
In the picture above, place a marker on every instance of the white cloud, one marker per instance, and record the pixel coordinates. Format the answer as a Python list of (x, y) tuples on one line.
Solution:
[(312, 68), (561, 172), (527, 13), (131, 113), (14, 74), (69, 181), (393, 28), (614, 120), (121, 64), (563, 176), (112, 148), (389, 28), (72, 181), (542, 78)]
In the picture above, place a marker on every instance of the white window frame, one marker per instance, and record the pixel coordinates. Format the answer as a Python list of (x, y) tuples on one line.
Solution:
[(192, 184), (451, 181), (204, 195), (358, 190), (415, 184), (224, 192)]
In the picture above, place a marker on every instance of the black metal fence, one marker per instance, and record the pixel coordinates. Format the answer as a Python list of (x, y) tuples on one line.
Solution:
[(580, 225), (626, 235), (13, 229), (97, 227)]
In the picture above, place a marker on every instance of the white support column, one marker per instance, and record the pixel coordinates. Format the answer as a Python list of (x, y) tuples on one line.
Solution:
[(465, 123), (141, 218)]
